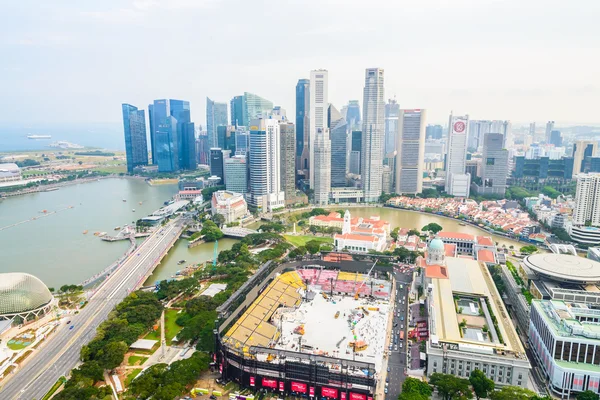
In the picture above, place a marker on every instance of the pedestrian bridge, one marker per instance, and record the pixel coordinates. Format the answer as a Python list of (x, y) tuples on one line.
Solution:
[(237, 232), (563, 249)]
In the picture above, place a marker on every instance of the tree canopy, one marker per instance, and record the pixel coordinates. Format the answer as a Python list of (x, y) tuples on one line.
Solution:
[(587, 395), (513, 393), (482, 385), (432, 227), (415, 389), (211, 231), (451, 387)]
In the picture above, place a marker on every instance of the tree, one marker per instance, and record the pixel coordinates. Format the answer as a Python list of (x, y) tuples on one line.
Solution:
[(414, 232), (414, 385), (529, 249), (482, 385), (512, 393), (313, 246), (432, 227), (211, 232), (412, 396), (218, 219), (394, 233), (587, 395), (112, 355), (451, 387), (429, 193)]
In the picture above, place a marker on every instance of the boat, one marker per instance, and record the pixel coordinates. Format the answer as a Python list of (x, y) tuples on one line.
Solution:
[(85, 232), (117, 228), (124, 201), (180, 262), (140, 203), (36, 137), (462, 224), (51, 189), (133, 210), (96, 233)]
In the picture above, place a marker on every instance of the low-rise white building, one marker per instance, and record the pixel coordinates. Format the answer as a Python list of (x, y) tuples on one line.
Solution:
[(230, 205), (361, 235), (9, 172)]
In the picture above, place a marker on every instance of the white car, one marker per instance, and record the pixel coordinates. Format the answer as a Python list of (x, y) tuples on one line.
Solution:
[(395, 348)]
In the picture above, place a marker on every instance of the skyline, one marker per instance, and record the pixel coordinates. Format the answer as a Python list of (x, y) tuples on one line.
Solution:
[(90, 57)]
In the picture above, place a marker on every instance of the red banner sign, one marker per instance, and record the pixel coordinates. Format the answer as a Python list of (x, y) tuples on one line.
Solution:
[(281, 386), (252, 381), (271, 383), (343, 395), (311, 391), (329, 392), (298, 387), (357, 396)]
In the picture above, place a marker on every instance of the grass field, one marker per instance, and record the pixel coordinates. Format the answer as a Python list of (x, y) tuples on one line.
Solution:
[(112, 169), (131, 376), (136, 360), (302, 240), (171, 328), (32, 172), (18, 344)]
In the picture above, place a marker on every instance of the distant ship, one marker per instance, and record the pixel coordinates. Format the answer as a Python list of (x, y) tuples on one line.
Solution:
[(35, 137)]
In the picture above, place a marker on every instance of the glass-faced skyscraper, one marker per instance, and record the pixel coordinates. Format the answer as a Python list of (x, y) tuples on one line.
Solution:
[(338, 133), (134, 127), (173, 135), (372, 134), (237, 111), (410, 151), (216, 115), (302, 126), (392, 109)]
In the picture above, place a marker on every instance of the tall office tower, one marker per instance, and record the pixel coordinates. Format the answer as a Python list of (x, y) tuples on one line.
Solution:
[(355, 146), (173, 133), (236, 174), (356, 141), (587, 200), (457, 180), (549, 129), (255, 107), (203, 150), (371, 164), (226, 137), (322, 167), (265, 160), (319, 102), (434, 132), (288, 160), (581, 150), (151, 125), (478, 129), (494, 166), (410, 151), (387, 179), (134, 127), (338, 133), (217, 164), (556, 138), (354, 167), (392, 110), (236, 106), (216, 115), (506, 130), (242, 138), (303, 127), (279, 113), (531, 131), (353, 115)]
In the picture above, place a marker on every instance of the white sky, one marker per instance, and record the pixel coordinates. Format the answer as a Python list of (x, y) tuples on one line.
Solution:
[(523, 60)]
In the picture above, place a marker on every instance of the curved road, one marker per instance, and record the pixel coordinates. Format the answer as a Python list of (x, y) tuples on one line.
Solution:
[(61, 352)]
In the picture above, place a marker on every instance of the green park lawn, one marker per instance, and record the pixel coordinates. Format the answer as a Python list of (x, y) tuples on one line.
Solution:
[(133, 360), (301, 240), (17, 344), (171, 328), (131, 376), (112, 169)]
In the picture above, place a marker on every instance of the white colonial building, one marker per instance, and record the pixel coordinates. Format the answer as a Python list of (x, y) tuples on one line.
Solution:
[(230, 205), (366, 235)]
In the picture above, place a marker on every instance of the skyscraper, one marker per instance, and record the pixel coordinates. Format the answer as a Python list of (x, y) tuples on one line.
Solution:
[(288, 160), (168, 132), (372, 134), (581, 150), (587, 200), (217, 164), (202, 149), (242, 137), (410, 151), (134, 127), (549, 129), (255, 107), (392, 110), (265, 159), (478, 129), (237, 111), (216, 115), (236, 174), (302, 126), (433, 132), (353, 115), (322, 167), (151, 125), (319, 102), (556, 138), (226, 137), (457, 180), (338, 130), (186, 134), (494, 166)]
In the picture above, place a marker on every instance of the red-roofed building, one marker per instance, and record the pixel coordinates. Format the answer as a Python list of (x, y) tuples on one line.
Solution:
[(436, 271), (487, 256), (360, 236), (450, 249), (484, 241)]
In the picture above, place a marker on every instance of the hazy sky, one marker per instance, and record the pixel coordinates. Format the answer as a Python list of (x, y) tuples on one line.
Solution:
[(77, 61)]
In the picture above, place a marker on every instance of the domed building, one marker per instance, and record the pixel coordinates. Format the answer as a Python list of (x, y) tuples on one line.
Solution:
[(23, 295), (436, 253)]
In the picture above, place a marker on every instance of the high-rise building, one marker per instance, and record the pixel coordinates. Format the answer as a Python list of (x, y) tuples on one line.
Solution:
[(319, 102), (354, 163), (174, 135), (506, 130), (478, 129), (255, 107), (236, 106), (581, 150), (356, 141), (387, 180), (494, 166), (236, 174), (549, 129), (216, 115), (322, 167), (202, 149), (303, 127), (265, 160), (242, 138), (338, 132), (353, 115), (134, 127), (556, 138), (434, 132), (217, 163), (532, 130), (151, 125), (226, 137), (587, 200), (457, 180), (392, 110), (288, 160), (372, 134), (410, 151)]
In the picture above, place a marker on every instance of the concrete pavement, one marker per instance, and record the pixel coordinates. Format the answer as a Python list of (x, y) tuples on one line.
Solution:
[(61, 351)]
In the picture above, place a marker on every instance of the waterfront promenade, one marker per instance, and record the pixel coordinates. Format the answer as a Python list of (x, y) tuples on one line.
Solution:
[(61, 352)]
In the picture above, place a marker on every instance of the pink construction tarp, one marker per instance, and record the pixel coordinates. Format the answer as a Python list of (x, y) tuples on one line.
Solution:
[(345, 287), (309, 274), (325, 277)]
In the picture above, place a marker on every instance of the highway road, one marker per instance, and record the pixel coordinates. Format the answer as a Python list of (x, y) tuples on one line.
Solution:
[(61, 352), (397, 360)]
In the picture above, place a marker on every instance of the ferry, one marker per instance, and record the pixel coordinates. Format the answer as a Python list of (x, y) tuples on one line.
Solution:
[(117, 228), (85, 232), (180, 262), (36, 137), (51, 189), (133, 210), (124, 201)]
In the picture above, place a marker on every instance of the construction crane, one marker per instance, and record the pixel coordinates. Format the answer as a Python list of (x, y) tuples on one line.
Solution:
[(363, 282)]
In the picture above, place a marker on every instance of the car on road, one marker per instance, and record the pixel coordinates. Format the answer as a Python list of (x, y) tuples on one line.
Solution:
[(68, 322), (395, 348), (402, 318), (388, 369), (385, 390), (71, 327), (400, 344)]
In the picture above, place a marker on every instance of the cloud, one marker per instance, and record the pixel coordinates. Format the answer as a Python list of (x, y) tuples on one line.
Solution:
[(115, 16)]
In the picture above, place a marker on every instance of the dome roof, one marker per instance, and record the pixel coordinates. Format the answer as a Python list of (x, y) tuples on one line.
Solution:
[(21, 292), (436, 244)]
